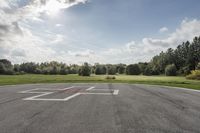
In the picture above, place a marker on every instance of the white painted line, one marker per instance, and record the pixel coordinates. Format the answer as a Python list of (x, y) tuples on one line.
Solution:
[(40, 99), (27, 91), (90, 88), (183, 89), (72, 96), (115, 92), (46, 99), (33, 97), (88, 93), (45, 89)]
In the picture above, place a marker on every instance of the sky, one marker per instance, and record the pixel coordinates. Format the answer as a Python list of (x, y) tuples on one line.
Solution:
[(103, 31)]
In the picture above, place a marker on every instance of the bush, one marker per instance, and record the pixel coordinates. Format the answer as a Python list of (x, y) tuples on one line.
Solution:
[(155, 71), (133, 69), (38, 71), (185, 70), (79, 72), (121, 69), (110, 77), (147, 71), (100, 70), (170, 70), (84, 70), (2, 68), (16, 68), (63, 71), (6, 67), (198, 66), (195, 74), (97, 71), (111, 70), (54, 70), (9, 72)]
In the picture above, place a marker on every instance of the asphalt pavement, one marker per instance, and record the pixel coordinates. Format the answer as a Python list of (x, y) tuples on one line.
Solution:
[(98, 108)]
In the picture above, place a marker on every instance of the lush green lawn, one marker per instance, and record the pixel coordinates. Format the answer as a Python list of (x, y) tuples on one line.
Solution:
[(154, 80)]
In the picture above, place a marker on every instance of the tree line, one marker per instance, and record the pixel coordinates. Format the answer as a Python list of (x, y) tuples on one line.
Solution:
[(179, 61)]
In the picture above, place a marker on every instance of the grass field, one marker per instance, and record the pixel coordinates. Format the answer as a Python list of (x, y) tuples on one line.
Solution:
[(153, 80)]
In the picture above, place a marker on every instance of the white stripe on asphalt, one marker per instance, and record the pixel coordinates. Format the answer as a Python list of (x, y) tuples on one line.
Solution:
[(90, 88), (115, 92), (33, 97)]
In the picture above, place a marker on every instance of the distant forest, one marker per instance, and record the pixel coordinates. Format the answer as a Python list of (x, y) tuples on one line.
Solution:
[(179, 61)]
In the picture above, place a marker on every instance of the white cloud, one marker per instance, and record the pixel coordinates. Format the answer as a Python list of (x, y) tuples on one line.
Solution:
[(4, 4), (18, 42), (187, 31), (163, 29), (149, 47), (58, 38), (58, 25)]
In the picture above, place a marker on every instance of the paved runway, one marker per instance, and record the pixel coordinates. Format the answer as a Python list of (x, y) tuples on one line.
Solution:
[(98, 108)]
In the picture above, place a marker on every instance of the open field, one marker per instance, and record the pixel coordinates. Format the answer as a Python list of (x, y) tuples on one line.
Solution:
[(154, 80)]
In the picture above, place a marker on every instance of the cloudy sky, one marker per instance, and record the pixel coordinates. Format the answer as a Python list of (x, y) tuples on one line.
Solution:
[(104, 31)]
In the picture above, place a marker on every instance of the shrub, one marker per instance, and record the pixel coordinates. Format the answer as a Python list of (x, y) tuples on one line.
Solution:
[(195, 74), (170, 70), (185, 70), (2, 68), (63, 71), (84, 70), (111, 70), (100, 70), (6, 67), (121, 69), (155, 71), (198, 66), (38, 71), (147, 71), (16, 68), (110, 77), (9, 72), (133, 69), (79, 72), (142, 66), (54, 70), (97, 71)]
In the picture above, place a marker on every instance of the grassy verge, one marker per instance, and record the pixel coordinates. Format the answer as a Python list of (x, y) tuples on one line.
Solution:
[(153, 80)]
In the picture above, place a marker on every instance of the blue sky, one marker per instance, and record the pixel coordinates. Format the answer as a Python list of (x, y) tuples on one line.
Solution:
[(105, 31)]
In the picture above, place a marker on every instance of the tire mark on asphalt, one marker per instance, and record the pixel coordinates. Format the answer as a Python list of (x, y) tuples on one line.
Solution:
[(175, 102), (125, 120), (35, 114), (118, 120), (111, 88), (192, 93), (182, 107)]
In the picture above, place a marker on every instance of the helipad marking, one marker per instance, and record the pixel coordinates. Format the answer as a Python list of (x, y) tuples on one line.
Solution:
[(90, 88), (43, 93), (115, 92)]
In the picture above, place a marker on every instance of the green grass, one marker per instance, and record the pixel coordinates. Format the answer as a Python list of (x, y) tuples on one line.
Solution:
[(153, 80)]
